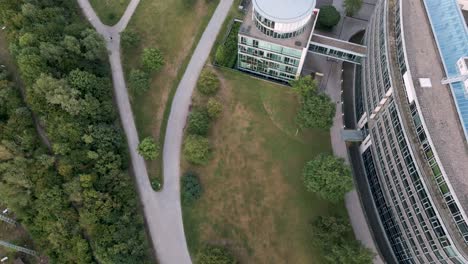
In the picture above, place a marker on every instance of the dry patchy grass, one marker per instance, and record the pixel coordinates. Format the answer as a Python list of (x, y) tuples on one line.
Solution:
[(254, 201)]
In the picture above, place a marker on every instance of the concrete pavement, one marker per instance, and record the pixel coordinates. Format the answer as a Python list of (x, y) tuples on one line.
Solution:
[(162, 210)]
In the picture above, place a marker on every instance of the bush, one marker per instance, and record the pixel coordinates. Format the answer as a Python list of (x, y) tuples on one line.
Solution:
[(214, 108), (328, 17), (208, 83), (199, 122), (197, 149), (139, 81), (226, 54), (191, 188), (152, 59), (214, 255), (329, 177), (130, 38), (148, 149), (156, 184)]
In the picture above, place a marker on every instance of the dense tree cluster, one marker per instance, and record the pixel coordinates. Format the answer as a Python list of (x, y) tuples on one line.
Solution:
[(329, 177), (334, 236), (316, 110), (78, 202)]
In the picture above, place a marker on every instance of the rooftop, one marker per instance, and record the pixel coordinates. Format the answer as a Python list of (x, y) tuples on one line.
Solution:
[(437, 104), (285, 11), (248, 28)]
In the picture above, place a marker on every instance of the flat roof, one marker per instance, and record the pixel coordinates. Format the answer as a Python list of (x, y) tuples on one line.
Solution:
[(285, 11), (437, 104), (248, 28)]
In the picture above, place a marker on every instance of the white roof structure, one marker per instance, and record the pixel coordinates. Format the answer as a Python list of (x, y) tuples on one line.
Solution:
[(284, 11)]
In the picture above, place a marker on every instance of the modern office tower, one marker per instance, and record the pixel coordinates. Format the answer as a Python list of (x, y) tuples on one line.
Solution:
[(414, 116), (274, 37)]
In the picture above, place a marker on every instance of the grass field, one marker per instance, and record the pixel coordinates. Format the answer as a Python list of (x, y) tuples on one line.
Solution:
[(174, 28), (254, 201), (109, 11)]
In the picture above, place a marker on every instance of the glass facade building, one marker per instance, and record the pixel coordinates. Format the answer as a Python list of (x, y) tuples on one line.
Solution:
[(274, 38), (420, 210)]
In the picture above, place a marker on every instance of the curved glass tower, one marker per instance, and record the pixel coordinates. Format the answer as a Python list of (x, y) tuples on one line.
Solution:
[(414, 117)]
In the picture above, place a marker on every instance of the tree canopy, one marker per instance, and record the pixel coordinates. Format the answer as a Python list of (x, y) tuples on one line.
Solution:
[(329, 177), (328, 17), (334, 236), (75, 198), (199, 122), (316, 109)]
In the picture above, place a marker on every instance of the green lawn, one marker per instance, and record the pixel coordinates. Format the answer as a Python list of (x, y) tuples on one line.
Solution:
[(109, 11), (254, 201), (175, 28)]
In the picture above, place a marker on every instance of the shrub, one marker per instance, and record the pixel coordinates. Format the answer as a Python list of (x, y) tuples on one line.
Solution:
[(328, 17), (156, 184), (130, 38), (329, 177), (214, 255), (148, 149), (208, 83), (139, 81), (191, 188), (152, 59), (214, 108), (197, 149), (199, 122)]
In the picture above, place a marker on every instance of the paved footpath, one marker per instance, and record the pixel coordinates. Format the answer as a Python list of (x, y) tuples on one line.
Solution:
[(162, 209)]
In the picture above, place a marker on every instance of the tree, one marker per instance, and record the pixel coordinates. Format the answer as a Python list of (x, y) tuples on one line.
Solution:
[(328, 17), (148, 149), (152, 59), (139, 81), (208, 83), (335, 237), (304, 86), (316, 111), (352, 6), (191, 188), (197, 149), (199, 122), (214, 255), (214, 108), (130, 38), (329, 177)]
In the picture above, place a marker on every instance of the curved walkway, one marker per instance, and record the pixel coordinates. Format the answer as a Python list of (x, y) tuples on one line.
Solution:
[(162, 210)]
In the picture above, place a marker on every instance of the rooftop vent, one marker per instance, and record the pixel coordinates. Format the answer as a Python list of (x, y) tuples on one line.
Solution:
[(425, 82)]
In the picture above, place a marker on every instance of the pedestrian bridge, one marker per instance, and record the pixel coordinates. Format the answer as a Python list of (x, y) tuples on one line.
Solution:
[(337, 49)]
